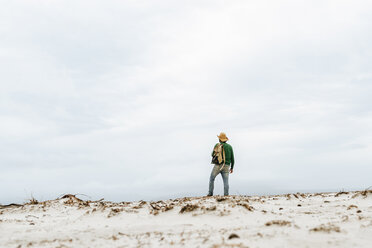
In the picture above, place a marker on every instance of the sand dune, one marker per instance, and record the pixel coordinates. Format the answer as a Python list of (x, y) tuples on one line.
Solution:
[(342, 219)]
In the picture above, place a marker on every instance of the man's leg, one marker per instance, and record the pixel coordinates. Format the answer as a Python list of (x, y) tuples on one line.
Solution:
[(225, 178), (214, 173)]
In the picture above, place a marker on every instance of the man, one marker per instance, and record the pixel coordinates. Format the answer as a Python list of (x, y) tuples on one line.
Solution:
[(222, 167)]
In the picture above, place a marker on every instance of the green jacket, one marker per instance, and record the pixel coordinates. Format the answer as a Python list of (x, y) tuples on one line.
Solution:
[(228, 153)]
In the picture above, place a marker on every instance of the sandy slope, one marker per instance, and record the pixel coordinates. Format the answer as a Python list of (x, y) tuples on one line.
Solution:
[(297, 220)]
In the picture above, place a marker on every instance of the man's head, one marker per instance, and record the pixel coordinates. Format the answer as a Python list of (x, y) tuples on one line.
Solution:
[(222, 137)]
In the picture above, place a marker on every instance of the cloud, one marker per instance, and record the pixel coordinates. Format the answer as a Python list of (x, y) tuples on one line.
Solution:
[(123, 100)]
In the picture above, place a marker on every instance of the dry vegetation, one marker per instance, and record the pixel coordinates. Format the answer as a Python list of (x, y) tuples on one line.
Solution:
[(278, 223), (327, 228), (226, 221)]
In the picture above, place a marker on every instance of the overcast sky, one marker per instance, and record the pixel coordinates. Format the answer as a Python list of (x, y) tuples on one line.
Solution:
[(123, 100)]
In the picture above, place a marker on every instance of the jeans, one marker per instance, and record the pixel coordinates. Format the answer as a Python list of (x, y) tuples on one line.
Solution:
[(225, 177)]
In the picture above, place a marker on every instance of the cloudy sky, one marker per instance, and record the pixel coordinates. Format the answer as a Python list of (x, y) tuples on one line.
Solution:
[(123, 100)]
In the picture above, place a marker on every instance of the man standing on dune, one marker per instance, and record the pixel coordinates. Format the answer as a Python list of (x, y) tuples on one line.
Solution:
[(222, 158)]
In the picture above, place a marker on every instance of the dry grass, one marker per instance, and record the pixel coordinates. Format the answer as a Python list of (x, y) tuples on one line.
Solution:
[(72, 200), (33, 201), (233, 236), (326, 228), (188, 208), (11, 205), (351, 206), (278, 223), (140, 205), (160, 206), (246, 206), (341, 193), (363, 193), (211, 208), (220, 199)]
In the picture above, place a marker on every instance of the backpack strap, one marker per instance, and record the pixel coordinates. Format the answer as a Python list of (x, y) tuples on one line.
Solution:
[(223, 157)]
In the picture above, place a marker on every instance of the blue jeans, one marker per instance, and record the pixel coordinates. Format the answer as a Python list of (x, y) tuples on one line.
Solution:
[(225, 177)]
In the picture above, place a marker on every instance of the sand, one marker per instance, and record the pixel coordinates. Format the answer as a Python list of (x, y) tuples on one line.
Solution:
[(342, 219)]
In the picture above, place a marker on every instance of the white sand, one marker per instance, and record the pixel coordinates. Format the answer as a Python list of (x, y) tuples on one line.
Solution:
[(301, 220)]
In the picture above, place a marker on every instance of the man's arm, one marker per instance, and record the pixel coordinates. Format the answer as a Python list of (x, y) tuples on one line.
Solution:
[(232, 161)]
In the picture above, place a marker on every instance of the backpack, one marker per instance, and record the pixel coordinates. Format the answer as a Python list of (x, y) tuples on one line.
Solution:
[(218, 156)]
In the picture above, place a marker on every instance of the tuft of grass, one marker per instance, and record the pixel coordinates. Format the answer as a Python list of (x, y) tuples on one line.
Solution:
[(33, 201)]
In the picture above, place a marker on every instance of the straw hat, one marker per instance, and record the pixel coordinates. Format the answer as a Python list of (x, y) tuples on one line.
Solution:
[(222, 137)]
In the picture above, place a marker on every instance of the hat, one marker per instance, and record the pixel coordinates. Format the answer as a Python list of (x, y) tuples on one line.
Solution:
[(222, 137)]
